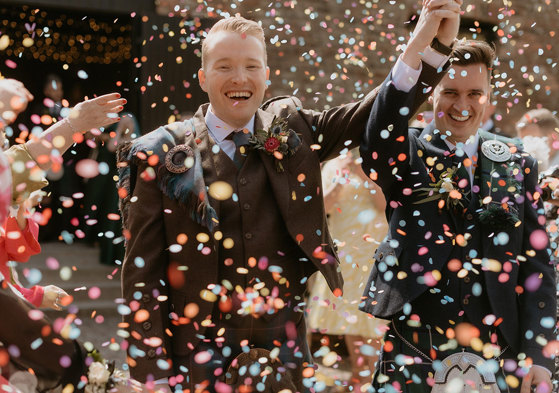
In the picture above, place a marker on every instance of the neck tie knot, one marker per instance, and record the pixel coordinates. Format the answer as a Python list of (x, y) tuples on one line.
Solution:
[(240, 138)]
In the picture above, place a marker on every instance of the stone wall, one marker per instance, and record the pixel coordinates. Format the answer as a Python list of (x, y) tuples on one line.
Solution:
[(329, 52)]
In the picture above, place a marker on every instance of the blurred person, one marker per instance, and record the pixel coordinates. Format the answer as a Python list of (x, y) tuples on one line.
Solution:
[(57, 361), (539, 131), (103, 225), (18, 241), (354, 206), (64, 182)]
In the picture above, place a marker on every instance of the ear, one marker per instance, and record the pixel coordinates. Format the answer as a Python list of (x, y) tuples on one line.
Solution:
[(202, 79), (430, 99)]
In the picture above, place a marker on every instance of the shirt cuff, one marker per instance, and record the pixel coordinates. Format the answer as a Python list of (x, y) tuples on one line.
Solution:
[(404, 77), (434, 58)]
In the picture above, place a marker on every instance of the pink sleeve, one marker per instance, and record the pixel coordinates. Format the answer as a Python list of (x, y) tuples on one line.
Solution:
[(20, 248), (33, 295)]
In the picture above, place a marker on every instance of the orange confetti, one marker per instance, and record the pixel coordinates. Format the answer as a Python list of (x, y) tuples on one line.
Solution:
[(141, 316)]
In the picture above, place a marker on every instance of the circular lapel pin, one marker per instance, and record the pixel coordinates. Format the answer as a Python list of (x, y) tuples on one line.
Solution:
[(496, 150), (175, 159)]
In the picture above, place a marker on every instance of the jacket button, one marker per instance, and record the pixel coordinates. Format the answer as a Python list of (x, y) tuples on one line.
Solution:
[(246, 206), (248, 235), (541, 304), (243, 181), (146, 298), (466, 279), (151, 353), (469, 216), (146, 325), (465, 301)]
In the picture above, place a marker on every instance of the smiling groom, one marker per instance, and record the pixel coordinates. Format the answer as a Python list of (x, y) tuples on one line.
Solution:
[(225, 218)]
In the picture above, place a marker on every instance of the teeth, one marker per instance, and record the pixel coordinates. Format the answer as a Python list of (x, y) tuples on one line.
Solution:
[(239, 94), (459, 118)]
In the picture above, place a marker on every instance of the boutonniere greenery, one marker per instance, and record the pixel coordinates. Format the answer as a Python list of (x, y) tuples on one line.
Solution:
[(446, 190), (277, 141)]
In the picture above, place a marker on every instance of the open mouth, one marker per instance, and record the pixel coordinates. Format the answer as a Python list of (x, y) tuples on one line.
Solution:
[(459, 118), (239, 95)]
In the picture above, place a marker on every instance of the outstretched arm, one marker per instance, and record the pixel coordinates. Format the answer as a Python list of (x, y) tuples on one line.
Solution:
[(97, 112)]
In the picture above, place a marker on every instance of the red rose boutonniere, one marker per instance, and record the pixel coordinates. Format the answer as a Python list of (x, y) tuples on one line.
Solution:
[(278, 141)]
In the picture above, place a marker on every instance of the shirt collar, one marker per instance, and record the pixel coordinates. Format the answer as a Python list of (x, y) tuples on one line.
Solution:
[(470, 147), (219, 129)]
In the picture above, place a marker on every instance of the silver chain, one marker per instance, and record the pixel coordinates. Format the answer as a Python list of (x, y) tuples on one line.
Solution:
[(415, 349)]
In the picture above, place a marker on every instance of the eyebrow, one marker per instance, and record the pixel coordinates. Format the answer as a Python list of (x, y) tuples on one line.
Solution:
[(225, 59), (471, 91)]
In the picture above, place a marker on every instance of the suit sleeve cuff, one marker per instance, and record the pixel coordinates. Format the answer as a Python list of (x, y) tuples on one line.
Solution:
[(404, 77), (434, 58)]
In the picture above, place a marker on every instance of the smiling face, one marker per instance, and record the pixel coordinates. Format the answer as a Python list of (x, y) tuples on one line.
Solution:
[(234, 76), (460, 100)]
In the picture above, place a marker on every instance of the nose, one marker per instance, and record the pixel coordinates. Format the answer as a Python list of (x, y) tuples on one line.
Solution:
[(239, 75), (462, 106)]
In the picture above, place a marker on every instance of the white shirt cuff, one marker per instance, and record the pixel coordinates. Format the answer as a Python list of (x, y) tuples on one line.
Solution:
[(434, 58), (404, 78)]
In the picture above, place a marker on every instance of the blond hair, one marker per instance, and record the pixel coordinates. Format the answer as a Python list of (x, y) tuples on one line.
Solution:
[(235, 24)]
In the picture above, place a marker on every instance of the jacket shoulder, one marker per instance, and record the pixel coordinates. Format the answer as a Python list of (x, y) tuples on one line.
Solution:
[(282, 105)]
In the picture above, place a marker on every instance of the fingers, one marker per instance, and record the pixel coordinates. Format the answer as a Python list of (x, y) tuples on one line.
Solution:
[(104, 99), (115, 109), (526, 383), (432, 4), (444, 14)]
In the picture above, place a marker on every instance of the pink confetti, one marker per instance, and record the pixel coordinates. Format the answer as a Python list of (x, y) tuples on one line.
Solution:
[(539, 239), (35, 315), (11, 64), (87, 168), (94, 293), (202, 357), (52, 263)]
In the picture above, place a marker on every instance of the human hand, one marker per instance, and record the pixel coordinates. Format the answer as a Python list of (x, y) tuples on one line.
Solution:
[(430, 24), (448, 28), (537, 377), (52, 297), (96, 112), (34, 199), (14, 98)]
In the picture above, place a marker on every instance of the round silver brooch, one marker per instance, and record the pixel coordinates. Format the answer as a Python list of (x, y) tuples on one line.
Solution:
[(176, 157), (496, 150)]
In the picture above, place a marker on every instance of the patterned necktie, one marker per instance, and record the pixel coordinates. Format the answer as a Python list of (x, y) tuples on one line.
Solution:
[(463, 174), (240, 138)]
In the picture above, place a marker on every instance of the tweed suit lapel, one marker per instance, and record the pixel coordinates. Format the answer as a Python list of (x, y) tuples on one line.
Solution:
[(205, 144), (491, 174), (434, 146), (278, 180)]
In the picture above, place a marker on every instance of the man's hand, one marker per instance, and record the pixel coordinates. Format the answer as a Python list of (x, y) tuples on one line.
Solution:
[(448, 29), (439, 18), (537, 377), (14, 98)]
